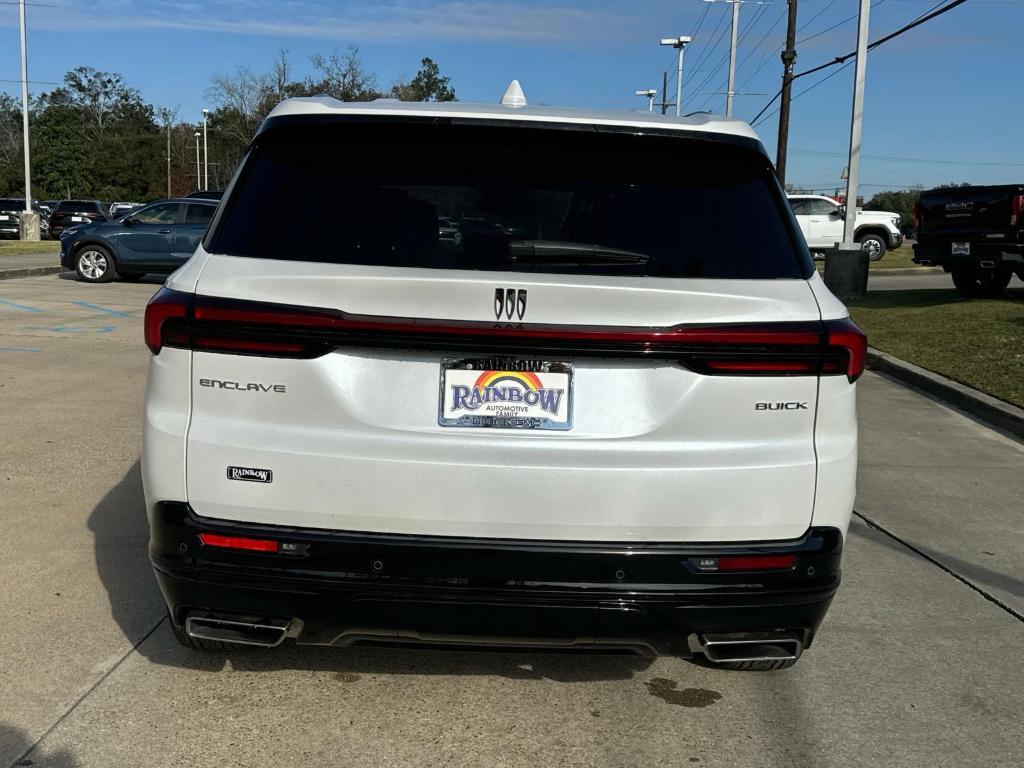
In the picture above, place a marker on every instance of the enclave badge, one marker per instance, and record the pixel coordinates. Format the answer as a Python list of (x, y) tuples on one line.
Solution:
[(250, 474)]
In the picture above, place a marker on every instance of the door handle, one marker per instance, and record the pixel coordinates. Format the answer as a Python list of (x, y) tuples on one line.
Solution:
[(163, 232)]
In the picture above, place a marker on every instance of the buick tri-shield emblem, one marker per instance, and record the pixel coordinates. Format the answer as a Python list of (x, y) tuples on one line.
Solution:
[(509, 302)]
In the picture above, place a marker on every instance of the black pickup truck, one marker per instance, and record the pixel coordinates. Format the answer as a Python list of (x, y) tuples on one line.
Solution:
[(975, 233)]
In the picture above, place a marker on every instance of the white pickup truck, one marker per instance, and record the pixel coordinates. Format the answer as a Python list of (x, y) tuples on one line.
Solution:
[(821, 221)]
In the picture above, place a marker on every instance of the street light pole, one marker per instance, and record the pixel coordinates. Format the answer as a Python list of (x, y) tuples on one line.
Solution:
[(168, 158), (198, 177), (649, 93), (679, 43), (731, 90), (856, 122), (28, 229), (206, 158)]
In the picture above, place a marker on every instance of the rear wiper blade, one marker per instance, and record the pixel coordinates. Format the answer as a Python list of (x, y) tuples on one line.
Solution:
[(580, 253)]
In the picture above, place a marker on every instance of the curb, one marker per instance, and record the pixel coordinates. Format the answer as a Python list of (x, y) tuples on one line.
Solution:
[(10, 274), (985, 407)]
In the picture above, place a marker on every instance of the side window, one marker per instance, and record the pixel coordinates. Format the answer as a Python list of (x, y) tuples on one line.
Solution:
[(199, 215), (164, 213), (800, 207), (823, 208)]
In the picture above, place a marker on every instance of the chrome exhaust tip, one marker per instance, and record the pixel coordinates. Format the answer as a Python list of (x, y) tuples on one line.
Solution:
[(747, 646), (241, 630)]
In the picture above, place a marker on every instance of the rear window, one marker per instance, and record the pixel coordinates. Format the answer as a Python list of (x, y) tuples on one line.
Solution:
[(514, 199), (10, 204), (78, 206)]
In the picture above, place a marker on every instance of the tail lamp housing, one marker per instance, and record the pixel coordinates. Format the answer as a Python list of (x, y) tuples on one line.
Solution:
[(231, 326)]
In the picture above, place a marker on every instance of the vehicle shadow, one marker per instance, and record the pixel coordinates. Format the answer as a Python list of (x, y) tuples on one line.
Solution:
[(121, 532), (16, 749)]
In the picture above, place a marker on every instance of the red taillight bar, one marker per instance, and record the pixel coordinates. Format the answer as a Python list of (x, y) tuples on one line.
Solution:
[(1017, 211), (238, 542), (247, 327)]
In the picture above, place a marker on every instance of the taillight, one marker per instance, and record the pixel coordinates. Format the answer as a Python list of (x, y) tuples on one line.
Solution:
[(915, 216), (205, 323), (238, 542), (846, 349), (1017, 210), (166, 318)]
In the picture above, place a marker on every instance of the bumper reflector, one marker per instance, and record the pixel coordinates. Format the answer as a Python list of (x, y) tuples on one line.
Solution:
[(756, 562), (238, 542)]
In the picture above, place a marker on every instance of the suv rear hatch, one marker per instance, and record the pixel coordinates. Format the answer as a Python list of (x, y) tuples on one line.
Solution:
[(655, 282)]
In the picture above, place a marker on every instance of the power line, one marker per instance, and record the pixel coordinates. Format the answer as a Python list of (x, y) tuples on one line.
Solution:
[(897, 159), (935, 12), (757, 15), (847, 20), (796, 96)]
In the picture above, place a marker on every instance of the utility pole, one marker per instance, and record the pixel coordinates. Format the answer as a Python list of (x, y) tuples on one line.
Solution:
[(664, 92), (731, 89), (28, 229), (199, 178), (788, 60)]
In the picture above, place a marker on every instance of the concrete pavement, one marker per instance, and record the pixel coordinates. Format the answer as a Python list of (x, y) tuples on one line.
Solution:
[(920, 662)]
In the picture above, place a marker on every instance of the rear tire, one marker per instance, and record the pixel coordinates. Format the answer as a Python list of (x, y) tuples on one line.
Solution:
[(974, 283), (874, 245), (94, 264)]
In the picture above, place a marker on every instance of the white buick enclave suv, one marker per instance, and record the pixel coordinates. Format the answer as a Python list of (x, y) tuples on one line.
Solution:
[(616, 411)]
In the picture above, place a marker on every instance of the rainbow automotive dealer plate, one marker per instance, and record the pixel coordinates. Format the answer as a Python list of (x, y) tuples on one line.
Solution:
[(505, 394)]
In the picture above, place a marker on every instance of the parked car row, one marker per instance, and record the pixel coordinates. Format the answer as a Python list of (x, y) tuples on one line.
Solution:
[(11, 209)]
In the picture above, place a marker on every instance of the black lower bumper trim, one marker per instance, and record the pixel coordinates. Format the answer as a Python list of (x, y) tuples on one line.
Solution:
[(346, 588)]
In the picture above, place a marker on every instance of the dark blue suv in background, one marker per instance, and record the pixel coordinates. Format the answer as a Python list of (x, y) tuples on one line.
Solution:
[(159, 237)]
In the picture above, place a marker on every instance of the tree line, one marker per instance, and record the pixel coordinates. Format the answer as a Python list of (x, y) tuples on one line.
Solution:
[(94, 136)]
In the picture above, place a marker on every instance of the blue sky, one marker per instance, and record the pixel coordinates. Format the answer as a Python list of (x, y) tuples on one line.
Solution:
[(944, 102)]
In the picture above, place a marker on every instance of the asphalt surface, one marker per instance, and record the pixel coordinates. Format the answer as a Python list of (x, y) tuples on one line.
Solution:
[(919, 663), (880, 281)]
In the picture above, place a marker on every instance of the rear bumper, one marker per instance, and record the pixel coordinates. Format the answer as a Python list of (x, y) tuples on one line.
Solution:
[(939, 253), (344, 588)]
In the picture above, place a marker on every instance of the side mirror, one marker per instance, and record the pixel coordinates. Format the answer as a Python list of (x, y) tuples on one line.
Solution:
[(841, 212)]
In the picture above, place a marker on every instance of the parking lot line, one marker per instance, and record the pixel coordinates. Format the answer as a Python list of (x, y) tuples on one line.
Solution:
[(100, 308), (16, 305)]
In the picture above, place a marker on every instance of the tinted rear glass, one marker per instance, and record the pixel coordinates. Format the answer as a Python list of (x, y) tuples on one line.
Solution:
[(78, 205), (519, 199)]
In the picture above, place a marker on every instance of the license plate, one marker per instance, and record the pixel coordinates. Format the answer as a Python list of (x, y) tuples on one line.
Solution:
[(78, 218), (505, 393), (6, 218), (961, 249)]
